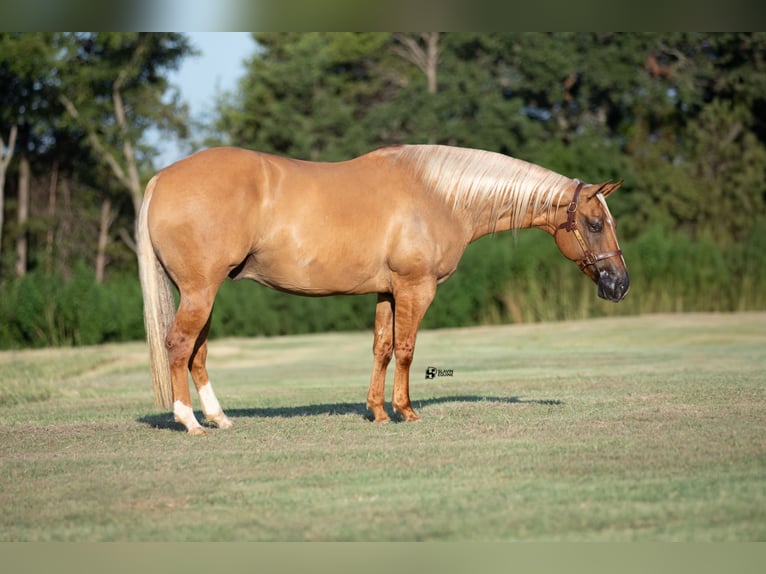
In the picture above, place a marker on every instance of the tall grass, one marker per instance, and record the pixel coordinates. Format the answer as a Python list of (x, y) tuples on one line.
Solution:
[(499, 280)]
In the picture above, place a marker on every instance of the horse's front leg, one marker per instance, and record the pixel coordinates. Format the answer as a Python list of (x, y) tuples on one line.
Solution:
[(411, 306), (382, 349)]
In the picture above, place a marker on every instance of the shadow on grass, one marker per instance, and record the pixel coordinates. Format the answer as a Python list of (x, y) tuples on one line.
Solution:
[(165, 420)]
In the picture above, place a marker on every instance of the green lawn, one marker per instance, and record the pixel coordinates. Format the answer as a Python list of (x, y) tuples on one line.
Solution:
[(648, 428)]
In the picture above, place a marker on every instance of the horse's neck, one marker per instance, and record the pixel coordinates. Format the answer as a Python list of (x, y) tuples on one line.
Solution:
[(530, 209), (487, 191)]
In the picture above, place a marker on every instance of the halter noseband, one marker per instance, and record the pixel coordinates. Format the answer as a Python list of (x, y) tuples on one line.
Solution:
[(571, 225)]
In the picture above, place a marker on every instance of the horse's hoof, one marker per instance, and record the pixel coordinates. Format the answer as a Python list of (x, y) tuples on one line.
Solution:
[(197, 431), (379, 414), (220, 420), (225, 423), (407, 414)]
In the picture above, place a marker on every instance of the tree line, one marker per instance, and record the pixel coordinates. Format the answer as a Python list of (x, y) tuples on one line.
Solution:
[(681, 117), (74, 110)]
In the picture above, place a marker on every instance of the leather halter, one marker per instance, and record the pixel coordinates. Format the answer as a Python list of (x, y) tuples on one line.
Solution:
[(589, 258)]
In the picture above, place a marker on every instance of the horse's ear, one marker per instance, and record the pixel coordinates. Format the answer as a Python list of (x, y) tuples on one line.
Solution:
[(608, 187)]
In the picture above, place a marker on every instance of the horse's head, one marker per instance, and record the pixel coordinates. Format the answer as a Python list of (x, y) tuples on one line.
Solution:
[(585, 233)]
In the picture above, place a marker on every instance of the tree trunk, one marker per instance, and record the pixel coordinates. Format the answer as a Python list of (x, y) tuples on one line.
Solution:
[(133, 181), (103, 238), (432, 61), (5, 160), (50, 236), (64, 246), (425, 57), (23, 216)]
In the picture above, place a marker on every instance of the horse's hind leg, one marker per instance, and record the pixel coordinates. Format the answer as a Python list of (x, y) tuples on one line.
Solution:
[(182, 342), (210, 406)]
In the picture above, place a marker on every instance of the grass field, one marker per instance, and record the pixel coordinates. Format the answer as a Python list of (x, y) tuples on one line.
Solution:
[(648, 428)]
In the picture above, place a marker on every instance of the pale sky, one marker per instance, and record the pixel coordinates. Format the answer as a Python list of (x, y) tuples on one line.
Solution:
[(217, 69)]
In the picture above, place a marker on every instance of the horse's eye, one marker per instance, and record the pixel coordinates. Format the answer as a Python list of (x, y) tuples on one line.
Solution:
[(596, 226)]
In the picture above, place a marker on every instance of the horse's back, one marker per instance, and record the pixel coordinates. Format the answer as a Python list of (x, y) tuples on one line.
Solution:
[(304, 227), (215, 173), (251, 188)]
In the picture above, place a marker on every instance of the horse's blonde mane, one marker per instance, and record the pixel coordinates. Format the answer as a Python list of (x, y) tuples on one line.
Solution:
[(466, 177)]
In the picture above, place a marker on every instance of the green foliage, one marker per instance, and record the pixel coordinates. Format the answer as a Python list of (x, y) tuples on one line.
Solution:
[(40, 310), (90, 66), (247, 309), (310, 88)]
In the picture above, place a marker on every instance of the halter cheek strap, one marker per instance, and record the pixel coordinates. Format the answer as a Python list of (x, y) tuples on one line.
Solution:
[(589, 258)]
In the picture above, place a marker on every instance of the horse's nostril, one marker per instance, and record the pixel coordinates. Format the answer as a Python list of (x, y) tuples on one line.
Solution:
[(624, 286)]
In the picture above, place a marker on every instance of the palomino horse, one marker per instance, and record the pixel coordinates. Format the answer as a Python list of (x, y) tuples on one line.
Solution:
[(393, 222)]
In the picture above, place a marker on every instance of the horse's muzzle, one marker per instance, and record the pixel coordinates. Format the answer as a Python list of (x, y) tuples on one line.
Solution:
[(613, 286)]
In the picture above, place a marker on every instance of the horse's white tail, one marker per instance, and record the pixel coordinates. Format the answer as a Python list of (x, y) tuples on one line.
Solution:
[(158, 305)]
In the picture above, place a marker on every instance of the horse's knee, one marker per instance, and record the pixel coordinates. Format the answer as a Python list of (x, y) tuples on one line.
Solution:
[(382, 352), (404, 354)]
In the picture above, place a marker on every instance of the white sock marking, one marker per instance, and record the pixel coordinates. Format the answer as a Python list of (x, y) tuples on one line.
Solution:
[(210, 405), (185, 415), (212, 408)]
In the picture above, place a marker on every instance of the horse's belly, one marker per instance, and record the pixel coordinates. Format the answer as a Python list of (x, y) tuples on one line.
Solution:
[(307, 275)]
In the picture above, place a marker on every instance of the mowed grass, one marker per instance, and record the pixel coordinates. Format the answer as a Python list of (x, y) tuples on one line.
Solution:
[(622, 429)]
